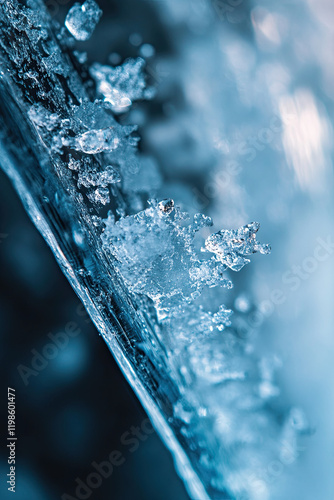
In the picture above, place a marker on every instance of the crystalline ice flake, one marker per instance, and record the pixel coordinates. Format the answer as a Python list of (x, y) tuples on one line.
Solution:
[(231, 247), (99, 195), (97, 141), (82, 19), (121, 85)]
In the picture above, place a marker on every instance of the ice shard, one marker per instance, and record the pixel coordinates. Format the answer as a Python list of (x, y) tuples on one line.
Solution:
[(82, 19)]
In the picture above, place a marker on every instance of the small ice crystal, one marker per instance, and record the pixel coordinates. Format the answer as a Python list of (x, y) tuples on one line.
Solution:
[(99, 196), (82, 19), (200, 221), (100, 140), (121, 85), (208, 273), (222, 318), (242, 303), (232, 246), (96, 141), (156, 254)]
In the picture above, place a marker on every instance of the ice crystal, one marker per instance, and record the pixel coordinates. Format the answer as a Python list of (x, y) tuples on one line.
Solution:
[(156, 255), (99, 195), (202, 323), (96, 141), (89, 176), (121, 85), (140, 269), (231, 247), (82, 19)]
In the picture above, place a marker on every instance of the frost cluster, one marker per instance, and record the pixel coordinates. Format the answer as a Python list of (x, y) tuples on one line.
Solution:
[(155, 251), (81, 20), (168, 262), (121, 85), (232, 247)]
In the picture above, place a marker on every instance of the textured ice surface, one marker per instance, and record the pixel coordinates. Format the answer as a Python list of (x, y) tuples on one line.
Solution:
[(82, 19), (153, 278)]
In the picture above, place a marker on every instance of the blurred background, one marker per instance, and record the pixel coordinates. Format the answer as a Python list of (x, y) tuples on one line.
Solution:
[(241, 129)]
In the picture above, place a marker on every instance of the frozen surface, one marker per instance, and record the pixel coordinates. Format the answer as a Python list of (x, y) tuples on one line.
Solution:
[(155, 277)]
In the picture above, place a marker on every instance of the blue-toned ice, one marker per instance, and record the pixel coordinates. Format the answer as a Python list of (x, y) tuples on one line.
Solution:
[(82, 19), (154, 278)]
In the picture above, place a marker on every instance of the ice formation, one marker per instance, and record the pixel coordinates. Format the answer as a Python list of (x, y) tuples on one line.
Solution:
[(82, 19), (156, 257), (121, 85), (135, 260), (231, 247)]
